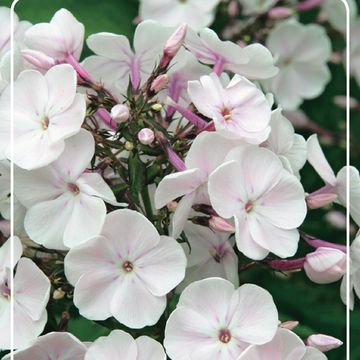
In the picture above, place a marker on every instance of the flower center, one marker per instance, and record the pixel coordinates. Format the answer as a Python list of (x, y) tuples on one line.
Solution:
[(45, 122), (5, 291), (224, 336), (249, 206), (226, 114), (128, 266), (73, 188)]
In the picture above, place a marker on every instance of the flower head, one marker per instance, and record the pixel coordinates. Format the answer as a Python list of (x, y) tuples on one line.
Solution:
[(126, 271), (213, 320)]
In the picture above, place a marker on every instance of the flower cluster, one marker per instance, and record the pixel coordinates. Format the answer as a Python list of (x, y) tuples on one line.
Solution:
[(149, 176)]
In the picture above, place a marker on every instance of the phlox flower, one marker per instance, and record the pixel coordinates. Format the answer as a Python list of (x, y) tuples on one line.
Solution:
[(213, 320), (265, 200), (115, 61), (290, 147), (335, 13), (196, 13), (126, 271), (239, 111), (31, 294), (52, 346), (47, 110), (302, 52), (60, 39), (335, 184), (65, 205), (284, 346), (206, 153), (253, 61), (209, 254), (119, 345)]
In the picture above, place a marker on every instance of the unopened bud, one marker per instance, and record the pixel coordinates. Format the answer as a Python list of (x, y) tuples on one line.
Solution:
[(325, 265), (340, 101), (317, 201), (172, 205), (38, 59), (323, 342), (58, 294), (146, 136), (173, 45), (120, 113), (280, 12), (159, 83), (129, 145), (290, 325), (217, 223), (233, 8), (157, 107)]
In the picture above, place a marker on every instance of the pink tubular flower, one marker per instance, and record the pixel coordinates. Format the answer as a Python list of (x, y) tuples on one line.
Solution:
[(323, 342), (239, 111), (325, 265), (173, 45), (59, 39), (254, 61), (266, 202), (213, 320), (160, 83)]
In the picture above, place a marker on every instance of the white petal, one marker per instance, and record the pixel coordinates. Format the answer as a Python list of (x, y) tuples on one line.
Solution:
[(5, 252), (149, 349)]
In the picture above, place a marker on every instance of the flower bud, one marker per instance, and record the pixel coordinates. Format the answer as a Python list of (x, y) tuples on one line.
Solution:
[(120, 113), (146, 136), (280, 12), (159, 83), (290, 325), (316, 201), (341, 101), (157, 107), (129, 146), (325, 265), (58, 294), (323, 342), (172, 205), (217, 223), (38, 59), (173, 45)]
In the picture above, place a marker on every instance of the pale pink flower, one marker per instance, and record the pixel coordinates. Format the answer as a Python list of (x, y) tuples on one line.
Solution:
[(47, 110), (290, 147), (31, 294), (213, 320), (301, 53), (284, 346), (60, 39), (325, 265), (266, 202), (115, 61), (335, 13), (209, 254), (126, 271), (253, 61), (52, 346), (207, 152), (65, 205), (196, 13), (119, 345), (335, 184), (239, 111)]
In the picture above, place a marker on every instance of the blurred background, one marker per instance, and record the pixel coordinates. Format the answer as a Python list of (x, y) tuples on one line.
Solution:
[(318, 308)]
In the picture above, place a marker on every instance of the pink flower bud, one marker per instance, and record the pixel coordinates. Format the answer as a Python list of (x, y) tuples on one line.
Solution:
[(280, 12), (120, 113), (316, 201), (325, 265), (290, 325), (340, 101), (173, 45), (233, 8), (172, 206), (159, 83), (323, 342), (38, 59), (217, 223), (146, 136)]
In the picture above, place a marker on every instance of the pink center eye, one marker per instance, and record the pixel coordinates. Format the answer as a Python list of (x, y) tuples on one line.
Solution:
[(128, 266), (224, 336)]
